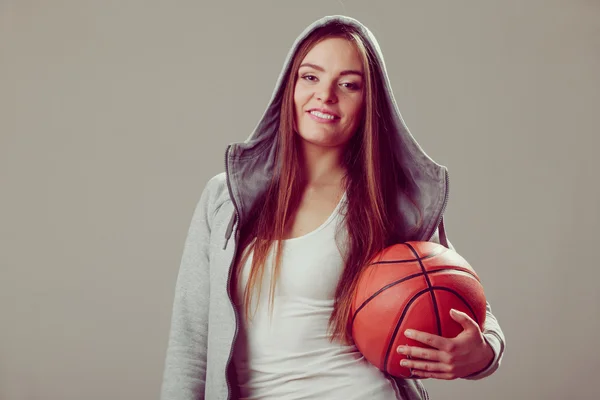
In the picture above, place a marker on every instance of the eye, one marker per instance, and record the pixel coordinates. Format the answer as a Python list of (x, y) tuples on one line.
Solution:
[(309, 77), (351, 85)]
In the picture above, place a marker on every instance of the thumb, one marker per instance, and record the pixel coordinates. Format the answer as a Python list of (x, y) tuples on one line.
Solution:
[(466, 322)]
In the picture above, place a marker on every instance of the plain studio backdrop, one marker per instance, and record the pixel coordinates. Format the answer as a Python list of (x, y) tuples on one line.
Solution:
[(114, 114)]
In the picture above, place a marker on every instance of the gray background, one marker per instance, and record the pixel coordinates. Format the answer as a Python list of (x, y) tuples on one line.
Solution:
[(113, 115)]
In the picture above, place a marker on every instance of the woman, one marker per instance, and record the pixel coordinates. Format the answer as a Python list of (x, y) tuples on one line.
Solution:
[(329, 176)]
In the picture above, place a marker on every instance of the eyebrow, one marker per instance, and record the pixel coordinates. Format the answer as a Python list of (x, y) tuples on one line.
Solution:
[(319, 68)]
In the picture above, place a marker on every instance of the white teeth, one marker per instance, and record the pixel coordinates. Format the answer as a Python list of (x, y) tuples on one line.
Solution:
[(321, 115)]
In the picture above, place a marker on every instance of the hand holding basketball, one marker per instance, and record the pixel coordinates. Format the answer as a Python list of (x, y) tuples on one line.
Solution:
[(448, 358)]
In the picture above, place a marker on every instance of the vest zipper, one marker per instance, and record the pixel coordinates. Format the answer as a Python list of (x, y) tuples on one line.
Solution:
[(230, 273)]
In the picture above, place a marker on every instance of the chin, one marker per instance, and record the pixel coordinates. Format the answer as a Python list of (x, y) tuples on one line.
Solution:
[(322, 140), (322, 134)]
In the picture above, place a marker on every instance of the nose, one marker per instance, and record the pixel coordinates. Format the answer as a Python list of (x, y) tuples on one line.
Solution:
[(326, 94)]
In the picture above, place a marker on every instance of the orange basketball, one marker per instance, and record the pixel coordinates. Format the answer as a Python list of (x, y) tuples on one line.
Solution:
[(412, 285)]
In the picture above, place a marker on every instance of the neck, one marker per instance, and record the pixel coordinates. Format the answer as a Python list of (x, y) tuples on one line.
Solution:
[(321, 166)]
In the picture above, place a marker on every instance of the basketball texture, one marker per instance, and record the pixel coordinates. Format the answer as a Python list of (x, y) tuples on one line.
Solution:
[(412, 285)]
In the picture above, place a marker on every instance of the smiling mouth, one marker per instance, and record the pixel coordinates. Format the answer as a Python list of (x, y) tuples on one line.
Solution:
[(323, 116)]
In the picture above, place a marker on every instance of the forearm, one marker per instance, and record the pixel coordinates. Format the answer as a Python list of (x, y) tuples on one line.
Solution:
[(492, 332), (494, 336)]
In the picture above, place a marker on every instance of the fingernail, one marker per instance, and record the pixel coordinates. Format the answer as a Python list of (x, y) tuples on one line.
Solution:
[(401, 349), (409, 333), (404, 363)]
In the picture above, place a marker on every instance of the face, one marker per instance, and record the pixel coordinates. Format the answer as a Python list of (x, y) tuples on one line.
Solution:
[(328, 96)]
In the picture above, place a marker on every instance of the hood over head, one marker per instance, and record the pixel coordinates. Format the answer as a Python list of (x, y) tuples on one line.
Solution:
[(251, 164)]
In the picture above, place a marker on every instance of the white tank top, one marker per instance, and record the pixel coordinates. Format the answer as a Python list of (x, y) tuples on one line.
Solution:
[(290, 356)]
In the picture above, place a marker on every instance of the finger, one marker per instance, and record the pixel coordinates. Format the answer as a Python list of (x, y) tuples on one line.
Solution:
[(426, 366), (429, 339), (419, 352), (434, 375), (467, 322)]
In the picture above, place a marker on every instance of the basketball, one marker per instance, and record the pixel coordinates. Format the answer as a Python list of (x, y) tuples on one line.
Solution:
[(412, 285)]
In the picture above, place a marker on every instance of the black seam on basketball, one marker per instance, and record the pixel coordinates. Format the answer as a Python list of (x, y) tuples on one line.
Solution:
[(435, 253), (383, 289), (456, 269), (433, 299), (390, 285), (397, 327), (407, 261), (466, 303)]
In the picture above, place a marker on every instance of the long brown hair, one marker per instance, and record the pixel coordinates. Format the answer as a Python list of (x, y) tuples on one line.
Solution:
[(371, 184)]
